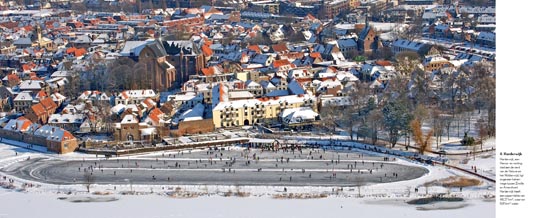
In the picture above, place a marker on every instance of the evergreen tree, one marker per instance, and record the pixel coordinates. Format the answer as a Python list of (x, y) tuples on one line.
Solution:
[(396, 120)]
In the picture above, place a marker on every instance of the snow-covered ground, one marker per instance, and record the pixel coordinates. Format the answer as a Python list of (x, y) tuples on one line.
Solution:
[(373, 200), (31, 205)]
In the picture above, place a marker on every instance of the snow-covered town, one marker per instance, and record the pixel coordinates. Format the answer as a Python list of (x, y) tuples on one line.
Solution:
[(330, 106)]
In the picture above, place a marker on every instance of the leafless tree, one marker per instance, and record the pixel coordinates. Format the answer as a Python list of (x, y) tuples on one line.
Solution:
[(374, 122), (437, 125), (330, 115), (483, 130), (407, 62), (88, 180)]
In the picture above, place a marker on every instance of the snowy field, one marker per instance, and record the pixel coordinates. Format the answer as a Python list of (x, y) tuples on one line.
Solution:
[(47, 205)]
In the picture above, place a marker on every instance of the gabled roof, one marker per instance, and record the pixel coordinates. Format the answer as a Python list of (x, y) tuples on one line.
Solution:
[(24, 96), (54, 133), (38, 109), (20, 124), (156, 116), (48, 103), (295, 88), (255, 48), (279, 63), (346, 43), (279, 48)]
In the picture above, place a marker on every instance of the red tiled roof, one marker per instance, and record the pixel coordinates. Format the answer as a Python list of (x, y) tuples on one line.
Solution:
[(149, 102), (155, 115), (334, 69), (281, 47), (9, 24), (13, 77), (41, 94), (208, 71), (80, 52), (207, 51), (383, 63), (67, 135), (279, 63), (26, 123), (26, 67), (221, 92), (311, 17), (315, 55), (303, 79), (255, 48), (28, 28), (38, 109), (125, 95), (48, 103)]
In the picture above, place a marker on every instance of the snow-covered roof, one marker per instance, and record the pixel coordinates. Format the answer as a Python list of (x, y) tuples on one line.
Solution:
[(338, 101), (139, 94), (148, 131), (328, 84), (21, 124), (53, 133), (188, 96), (291, 99), (117, 109), (486, 36), (66, 118), (277, 93), (129, 119), (196, 113), (408, 45), (240, 94), (295, 88), (298, 115), (31, 84), (24, 96)]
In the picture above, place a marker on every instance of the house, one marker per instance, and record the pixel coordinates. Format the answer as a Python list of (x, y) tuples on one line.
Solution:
[(135, 96), (57, 139), (486, 39), (23, 101), (248, 112), (21, 124), (93, 96), (267, 86), (435, 62), (368, 40), (348, 47), (69, 122), (263, 59), (298, 117), (128, 129), (185, 101), (40, 112), (402, 45), (34, 86)]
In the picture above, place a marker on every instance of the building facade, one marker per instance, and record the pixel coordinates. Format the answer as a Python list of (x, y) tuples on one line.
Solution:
[(249, 112)]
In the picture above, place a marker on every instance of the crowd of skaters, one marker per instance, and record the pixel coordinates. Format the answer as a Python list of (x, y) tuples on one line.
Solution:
[(251, 156)]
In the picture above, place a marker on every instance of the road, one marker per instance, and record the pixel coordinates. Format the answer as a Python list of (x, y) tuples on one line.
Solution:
[(221, 167)]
